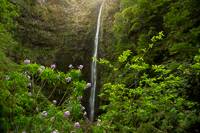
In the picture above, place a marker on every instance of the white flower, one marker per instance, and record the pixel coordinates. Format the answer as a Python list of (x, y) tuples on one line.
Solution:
[(85, 113), (54, 102), (44, 113), (66, 114), (40, 70), (88, 85), (23, 131), (80, 67), (82, 107), (27, 61), (42, 67), (29, 77), (53, 66), (7, 77), (70, 66), (29, 84), (68, 79), (52, 119), (77, 125), (98, 122)]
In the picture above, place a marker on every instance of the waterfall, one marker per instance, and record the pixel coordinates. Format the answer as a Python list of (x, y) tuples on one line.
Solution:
[(94, 67)]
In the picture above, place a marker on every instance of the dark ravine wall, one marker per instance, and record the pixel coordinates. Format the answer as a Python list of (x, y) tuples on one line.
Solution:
[(60, 32), (78, 46)]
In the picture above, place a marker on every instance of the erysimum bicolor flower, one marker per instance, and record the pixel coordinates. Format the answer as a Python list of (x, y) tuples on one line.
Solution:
[(88, 85), (77, 125), (80, 67), (53, 66), (44, 113), (66, 114), (52, 119), (29, 77), (27, 61), (68, 79), (41, 69), (54, 102), (29, 84), (70, 66), (82, 108), (98, 122), (85, 113)]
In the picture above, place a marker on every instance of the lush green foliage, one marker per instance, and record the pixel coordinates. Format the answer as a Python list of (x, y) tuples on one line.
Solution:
[(27, 93), (139, 20), (152, 86), (145, 97), (7, 12)]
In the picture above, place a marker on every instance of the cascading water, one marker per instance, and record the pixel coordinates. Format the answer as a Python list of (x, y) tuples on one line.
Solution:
[(94, 67)]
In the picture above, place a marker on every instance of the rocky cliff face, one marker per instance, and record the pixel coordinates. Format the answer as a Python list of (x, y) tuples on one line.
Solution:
[(60, 32)]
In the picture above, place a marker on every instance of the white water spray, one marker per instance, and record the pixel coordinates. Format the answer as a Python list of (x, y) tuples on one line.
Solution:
[(94, 67)]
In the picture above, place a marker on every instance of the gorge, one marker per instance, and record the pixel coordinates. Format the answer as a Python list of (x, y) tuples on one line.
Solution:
[(99, 66)]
